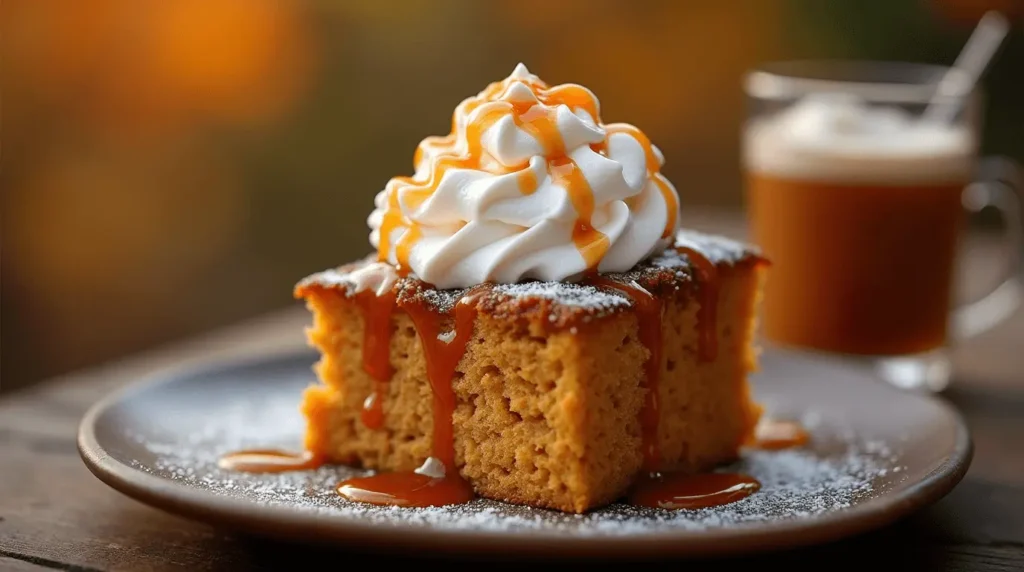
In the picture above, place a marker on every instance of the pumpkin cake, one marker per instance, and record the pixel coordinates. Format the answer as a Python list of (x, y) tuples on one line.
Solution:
[(549, 391), (534, 326)]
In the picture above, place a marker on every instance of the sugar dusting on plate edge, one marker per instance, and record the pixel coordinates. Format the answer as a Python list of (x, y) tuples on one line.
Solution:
[(836, 473)]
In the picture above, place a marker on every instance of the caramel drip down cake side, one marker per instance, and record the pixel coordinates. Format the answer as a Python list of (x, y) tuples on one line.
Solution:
[(550, 389)]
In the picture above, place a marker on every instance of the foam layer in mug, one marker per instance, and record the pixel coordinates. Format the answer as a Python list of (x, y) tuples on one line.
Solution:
[(838, 138)]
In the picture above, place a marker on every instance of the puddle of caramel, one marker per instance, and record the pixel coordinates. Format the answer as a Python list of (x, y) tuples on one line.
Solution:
[(269, 461), (774, 435), (681, 491), (406, 489)]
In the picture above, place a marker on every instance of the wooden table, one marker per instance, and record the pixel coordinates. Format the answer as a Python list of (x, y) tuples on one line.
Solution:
[(55, 515)]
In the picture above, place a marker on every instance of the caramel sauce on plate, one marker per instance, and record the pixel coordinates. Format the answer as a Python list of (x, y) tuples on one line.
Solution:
[(269, 461), (773, 435), (681, 491), (406, 489)]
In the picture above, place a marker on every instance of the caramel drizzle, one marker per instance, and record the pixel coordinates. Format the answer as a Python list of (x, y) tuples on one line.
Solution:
[(649, 312), (392, 221), (269, 461), (442, 359), (671, 202), (591, 243), (442, 355), (403, 250), (681, 491), (376, 311), (540, 121), (653, 170), (527, 181), (707, 313), (773, 435), (649, 331), (673, 491)]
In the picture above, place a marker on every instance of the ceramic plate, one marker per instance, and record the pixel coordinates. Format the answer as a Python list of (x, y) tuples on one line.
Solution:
[(876, 454)]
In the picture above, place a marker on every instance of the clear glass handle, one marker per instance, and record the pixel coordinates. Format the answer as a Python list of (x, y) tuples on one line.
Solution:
[(998, 187)]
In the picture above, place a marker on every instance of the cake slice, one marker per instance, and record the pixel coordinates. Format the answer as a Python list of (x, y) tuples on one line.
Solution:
[(533, 327), (558, 394)]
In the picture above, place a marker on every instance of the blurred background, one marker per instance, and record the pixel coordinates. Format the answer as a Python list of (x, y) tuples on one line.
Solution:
[(169, 167)]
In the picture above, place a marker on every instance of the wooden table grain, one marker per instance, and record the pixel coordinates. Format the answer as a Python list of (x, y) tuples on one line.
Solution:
[(55, 515)]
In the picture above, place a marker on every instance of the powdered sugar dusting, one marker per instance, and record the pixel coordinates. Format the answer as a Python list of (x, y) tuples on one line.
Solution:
[(441, 300), (566, 293), (715, 248), (184, 445)]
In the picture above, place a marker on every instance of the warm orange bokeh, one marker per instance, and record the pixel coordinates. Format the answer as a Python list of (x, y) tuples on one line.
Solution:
[(683, 59), (121, 197), (144, 66), (104, 236)]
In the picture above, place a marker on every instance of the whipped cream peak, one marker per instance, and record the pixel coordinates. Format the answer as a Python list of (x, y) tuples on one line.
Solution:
[(522, 73), (519, 93), (529, 184)]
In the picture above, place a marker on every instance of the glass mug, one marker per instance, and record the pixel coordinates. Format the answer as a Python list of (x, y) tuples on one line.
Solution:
[(859, 204)]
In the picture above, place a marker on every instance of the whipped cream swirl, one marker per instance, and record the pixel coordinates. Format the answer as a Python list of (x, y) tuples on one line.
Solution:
[(528, 185)]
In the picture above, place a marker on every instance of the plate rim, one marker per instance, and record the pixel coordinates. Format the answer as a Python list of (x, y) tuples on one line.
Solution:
[(284, 522)]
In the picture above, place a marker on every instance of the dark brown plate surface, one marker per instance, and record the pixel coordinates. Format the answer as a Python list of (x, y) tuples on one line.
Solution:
[(877, 453)]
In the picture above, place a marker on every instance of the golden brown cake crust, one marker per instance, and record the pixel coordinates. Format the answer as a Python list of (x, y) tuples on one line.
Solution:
[(559, 304), (550, 388)]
